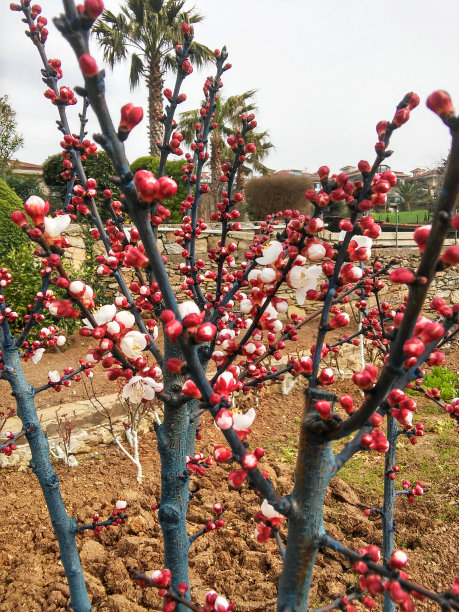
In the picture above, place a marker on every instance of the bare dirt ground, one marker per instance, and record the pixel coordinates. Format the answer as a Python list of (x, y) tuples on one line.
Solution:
[(230, 561)]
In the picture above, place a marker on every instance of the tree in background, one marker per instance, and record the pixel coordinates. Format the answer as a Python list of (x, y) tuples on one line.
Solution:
[(275, 192), (412, 194), (10, 140), (227, 121), (149, 30)]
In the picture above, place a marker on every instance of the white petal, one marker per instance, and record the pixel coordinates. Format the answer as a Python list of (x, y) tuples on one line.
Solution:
[(243, 421), (269, 510), (56, 225), (38, 355), (105, 314)]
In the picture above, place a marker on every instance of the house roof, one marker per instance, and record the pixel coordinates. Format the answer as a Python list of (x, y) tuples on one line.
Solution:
[(20, 165)]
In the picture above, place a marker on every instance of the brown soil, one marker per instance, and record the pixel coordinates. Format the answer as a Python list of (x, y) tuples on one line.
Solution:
[(230, 561)]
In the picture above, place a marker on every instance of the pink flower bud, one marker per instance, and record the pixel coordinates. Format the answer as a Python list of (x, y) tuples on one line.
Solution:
[(249, 461), (224, 419), (221, 454), (191, 390), (398, 560), (36, 208)]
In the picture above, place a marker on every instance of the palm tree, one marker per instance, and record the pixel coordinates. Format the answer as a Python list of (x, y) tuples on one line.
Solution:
[(148, 30), (411, 193), (254, 164), (227, 116)]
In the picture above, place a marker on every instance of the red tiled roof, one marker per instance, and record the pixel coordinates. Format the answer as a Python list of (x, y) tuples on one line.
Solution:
[(24, 165)]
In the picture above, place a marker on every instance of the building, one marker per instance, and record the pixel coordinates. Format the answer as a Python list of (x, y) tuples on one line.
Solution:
[(427, 179)]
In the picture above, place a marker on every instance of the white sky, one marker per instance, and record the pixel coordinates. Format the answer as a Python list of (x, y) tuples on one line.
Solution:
[(326, 72)]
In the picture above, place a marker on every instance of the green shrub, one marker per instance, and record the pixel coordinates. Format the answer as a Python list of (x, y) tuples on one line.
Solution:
[(25, 186), (174, 170), (98, 167), (11, 237), (26, 281)]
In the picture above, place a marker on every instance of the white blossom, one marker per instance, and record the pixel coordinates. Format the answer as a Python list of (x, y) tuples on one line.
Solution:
[(102, 316), (303, 279), (54, 376), (186, 308), (132, 344), (271, 252), (139, 388)]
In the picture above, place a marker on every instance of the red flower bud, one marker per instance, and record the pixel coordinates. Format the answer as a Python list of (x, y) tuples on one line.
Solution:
[(135, 258), (205, 332), (19, 218), (191, 390), (174, 365), (451, 255), (347, 403), (401, 117), (414, 347), (440, 103), (88, 65), (130, 117), (403, 275), (93, 8)]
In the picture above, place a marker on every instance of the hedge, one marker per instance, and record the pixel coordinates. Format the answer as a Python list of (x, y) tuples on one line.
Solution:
[(11, 237)]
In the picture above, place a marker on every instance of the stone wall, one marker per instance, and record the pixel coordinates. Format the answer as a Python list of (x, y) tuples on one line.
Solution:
[(389, 245)]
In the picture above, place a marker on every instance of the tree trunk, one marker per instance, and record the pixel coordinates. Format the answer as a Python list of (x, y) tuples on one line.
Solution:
[(155, 84), (240, 179), (388, 522), (215, 161), (175, 437), (64, 527), (312, 475)]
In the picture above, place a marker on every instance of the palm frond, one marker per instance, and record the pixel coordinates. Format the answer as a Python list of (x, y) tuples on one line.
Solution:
[(137, 70)]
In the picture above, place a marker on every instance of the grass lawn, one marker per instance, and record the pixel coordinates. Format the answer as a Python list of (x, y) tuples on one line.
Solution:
[(404, 216)]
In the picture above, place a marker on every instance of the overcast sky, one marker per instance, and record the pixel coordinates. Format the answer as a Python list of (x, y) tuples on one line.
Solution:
[(326, 72)]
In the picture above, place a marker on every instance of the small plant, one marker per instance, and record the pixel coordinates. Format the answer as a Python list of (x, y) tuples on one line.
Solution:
[(446, 381), (65, 427)]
